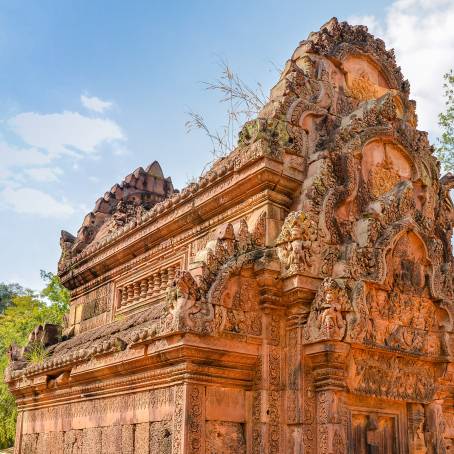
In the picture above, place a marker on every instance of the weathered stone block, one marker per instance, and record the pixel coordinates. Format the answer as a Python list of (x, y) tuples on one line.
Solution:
[(161, 437), (111, 438), (92, 440), (127, 439), (142, 438), (225, 437), (73, 442), (297, 298), (29, 443), (56, 442)]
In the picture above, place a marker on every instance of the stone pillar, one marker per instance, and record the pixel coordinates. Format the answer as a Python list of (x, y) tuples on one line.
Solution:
[(296, 318), (416, 423), (434, 428), (257, 419), (328, 360), (18, 440), (179, 427), (300, 403), (267, 408), (189, 419), (267, 435)]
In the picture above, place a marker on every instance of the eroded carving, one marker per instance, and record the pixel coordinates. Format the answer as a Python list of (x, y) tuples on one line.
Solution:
[(308, 275)]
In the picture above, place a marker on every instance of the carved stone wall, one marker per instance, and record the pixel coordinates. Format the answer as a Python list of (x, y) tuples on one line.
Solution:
[(296, 299)]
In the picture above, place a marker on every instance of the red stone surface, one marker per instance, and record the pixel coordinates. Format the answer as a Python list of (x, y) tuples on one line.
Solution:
[(296, 299)]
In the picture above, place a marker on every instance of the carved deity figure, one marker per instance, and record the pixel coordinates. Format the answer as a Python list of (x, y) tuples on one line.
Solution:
[(419, 441), (297, 241), (330, 316), (327, 317)]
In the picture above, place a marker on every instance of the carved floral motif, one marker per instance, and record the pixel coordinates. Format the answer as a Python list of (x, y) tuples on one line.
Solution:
[(308, 274)]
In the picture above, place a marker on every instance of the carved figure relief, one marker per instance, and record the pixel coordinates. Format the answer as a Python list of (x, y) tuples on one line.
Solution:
[(383, 165), (238, 311), (308, 273), (363, 79), (327, 319), (298, 242), (401, 314), (186, 307), (416, 427), (435, 428), (381, 375)]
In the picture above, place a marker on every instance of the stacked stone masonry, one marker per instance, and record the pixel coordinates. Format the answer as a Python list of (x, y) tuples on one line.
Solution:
[(297, 298)]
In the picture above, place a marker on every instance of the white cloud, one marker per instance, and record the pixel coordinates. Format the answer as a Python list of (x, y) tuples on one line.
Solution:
[(371, 22), (47, 139), (32, 201), (13, 160), (44, 174), (95, 104), (65, 133), (422, 34), (12, 156)]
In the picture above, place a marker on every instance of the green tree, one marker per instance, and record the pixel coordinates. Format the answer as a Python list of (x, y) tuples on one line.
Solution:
[(55, 292), (22, 313), (7, 292), (8, 411), (445, 150)]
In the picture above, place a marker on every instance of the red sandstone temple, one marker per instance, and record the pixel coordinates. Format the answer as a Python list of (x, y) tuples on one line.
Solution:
[(296, 299)]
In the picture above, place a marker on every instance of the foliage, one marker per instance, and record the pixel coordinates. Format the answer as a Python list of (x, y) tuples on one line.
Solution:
[(8, 410), (244, 103), (24, 311), (54, 291), (7, 291), (445, 150), (36, 353)]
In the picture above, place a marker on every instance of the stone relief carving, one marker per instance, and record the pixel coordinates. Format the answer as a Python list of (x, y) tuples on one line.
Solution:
[(191, 300), (297, 243), (125, 202), (328, 316), (325, 296), (435, 428), (393, 377), (186, 306), (416, 427), (238, 311)]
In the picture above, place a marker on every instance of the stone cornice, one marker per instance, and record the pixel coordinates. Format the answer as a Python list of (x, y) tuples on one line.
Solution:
[(178, 214), (144, 366)]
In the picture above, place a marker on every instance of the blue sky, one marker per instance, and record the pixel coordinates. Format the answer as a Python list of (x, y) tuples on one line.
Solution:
[(90, 90)]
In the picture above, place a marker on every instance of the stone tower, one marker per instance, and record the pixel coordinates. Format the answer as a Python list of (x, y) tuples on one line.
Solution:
[(297, 299)]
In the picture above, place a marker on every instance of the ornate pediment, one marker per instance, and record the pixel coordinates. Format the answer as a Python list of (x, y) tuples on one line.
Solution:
[(297, 298)]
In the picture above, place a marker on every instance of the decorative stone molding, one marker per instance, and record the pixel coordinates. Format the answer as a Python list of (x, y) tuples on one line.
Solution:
[(297, 298)]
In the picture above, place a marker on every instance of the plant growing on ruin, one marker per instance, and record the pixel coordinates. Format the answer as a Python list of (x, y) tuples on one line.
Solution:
[(36, 353), (445, 150), (243, 103)]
